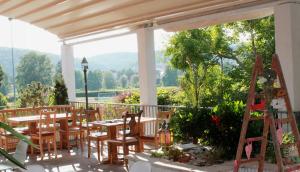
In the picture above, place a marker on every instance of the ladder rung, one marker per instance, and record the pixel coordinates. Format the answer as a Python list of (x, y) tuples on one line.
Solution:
[(254, 139), (256, 118), (292, 168), (243, 161)]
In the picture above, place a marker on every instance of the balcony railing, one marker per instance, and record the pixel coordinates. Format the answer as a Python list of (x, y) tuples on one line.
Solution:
[(113, 111)]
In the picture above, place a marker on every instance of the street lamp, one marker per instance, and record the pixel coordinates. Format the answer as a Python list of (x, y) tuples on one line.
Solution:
[(84, 65)]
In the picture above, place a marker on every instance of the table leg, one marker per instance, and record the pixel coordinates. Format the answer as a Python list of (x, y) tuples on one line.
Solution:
[(140, 146), (32, 129), (63, 124), (113, 150)]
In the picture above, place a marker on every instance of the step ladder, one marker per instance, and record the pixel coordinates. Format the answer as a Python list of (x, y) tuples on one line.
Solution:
[(268, 118)]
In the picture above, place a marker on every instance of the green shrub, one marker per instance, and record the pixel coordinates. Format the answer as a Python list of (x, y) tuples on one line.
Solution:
[(230, 114), (60, 92), (219, 127), (132, 98), (34, 94), (190, 123), (3, 101), (165, 96)]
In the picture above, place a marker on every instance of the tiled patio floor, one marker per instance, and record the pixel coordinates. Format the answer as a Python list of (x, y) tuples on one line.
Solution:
[(73, 162)]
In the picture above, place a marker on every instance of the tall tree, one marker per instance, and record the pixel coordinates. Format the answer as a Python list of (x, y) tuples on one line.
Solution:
[(78, 79), (94, 80), (124, 81), (34, 67), (134, 82), (60, 92), (109, 81), (170, 77), (4, 86), (58, 71)]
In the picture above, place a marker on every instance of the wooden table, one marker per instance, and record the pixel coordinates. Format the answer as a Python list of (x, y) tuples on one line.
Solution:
[(62, 119), (112, 132)]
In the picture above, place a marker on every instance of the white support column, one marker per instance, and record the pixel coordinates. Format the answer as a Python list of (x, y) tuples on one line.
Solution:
[(287, 38), (68, 72), (147, 69)]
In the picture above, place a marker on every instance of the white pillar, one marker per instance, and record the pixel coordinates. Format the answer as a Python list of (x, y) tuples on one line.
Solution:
[(287, 38), (68, 72), (147, 70)]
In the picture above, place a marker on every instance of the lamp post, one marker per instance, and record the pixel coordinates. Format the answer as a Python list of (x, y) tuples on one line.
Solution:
[(84, 65)]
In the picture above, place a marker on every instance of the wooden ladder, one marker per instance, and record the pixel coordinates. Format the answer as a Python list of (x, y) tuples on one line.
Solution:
[(269, 121)]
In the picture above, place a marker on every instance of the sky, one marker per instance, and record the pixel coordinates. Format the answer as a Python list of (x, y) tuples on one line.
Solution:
[(27, 36)]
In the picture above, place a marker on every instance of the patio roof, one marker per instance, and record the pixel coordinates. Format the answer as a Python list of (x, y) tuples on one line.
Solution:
[(72, 18)]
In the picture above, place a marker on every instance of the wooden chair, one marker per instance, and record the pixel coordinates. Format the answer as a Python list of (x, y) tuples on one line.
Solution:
[(95, 133), (46, 132), (7, 141), (119, 111), (74, 130), (154, 138), (128, 139)]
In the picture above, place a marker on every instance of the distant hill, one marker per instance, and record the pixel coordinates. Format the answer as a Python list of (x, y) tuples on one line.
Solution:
[(111, 61), (6, 60)]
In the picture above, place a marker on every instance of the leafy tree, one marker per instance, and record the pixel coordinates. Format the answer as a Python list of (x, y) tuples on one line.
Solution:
[(94, 79), (3, 101), (58, 71), (33, 95), (193, 52), (1, 75), (124, 81), (60, 92), (109, 80), (4, 87), (34, 67), (134, 82), (78, 79), (249, 38), (170, 77)]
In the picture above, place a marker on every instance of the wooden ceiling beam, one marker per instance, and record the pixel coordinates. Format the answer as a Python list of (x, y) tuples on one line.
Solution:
[(88, 3), (108, 10), (15, 6), (147, 16), (3, 2), (144, 19), (215, 11), (50, 4)]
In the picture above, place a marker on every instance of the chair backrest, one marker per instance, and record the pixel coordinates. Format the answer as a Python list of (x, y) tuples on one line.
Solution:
[(58, 108), (76, 116), (47, 118), (21, 151), (132, 123), (140, 166), (93, 114)]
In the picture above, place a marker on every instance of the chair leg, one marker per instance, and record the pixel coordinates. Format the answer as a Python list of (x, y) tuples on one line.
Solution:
[(126, 150), (98, 150), (102, 145), (31, 149), (76, 140), (89, 147), (41, 149), (48, 145), (61, 140), (54, 146), (81, 141)]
